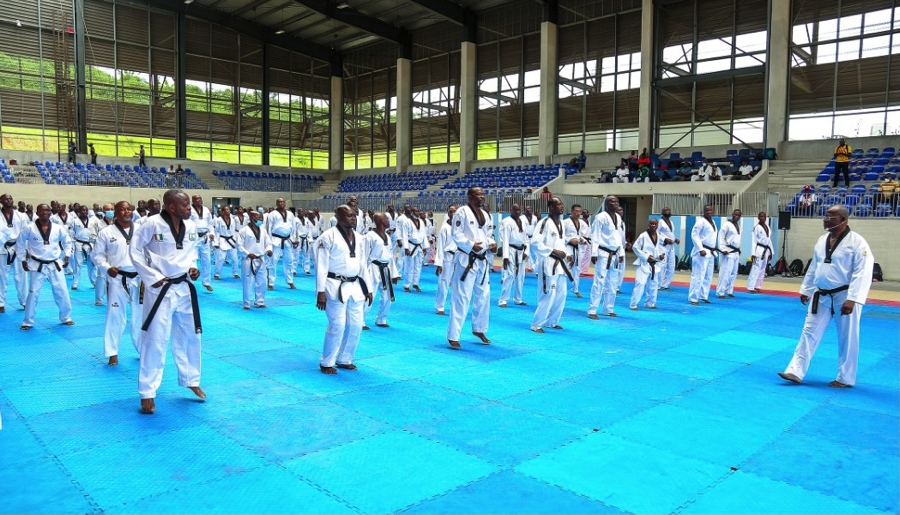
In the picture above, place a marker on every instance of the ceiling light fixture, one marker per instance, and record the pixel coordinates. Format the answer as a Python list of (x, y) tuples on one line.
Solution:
[(279, 32), (343, 5), (188, 1)]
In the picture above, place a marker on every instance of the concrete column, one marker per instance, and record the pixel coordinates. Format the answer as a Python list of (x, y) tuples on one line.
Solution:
[(547, 131), (645, 104), (336, 124), (778, 70), (404, 114), (468, 105)]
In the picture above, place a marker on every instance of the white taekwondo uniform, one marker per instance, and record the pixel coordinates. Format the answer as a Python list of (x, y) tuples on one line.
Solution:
[(667, 269), (515, 249), (343, 275), (582, 232), (552, 273), (45, 254), (392, 233), (111, 250), (82, 246), (415, 241), (400, 237), (703, 236), (303, 235), (430, 231), (529, 232), (382, 271), (729, 246), (608, 247), (203, 220), (834, 276), (98, 223), (170, 308), (470, 276), (281, 229), (10, 229), (647, 273), (225, 244), (444, 258), (254, 240), (762, 249)]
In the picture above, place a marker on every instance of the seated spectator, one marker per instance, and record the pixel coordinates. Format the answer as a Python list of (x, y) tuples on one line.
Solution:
[(582, 161), (707, 172), (644, 159), (685, 171), (643, 174), (630, 161), (888, 189), (622, 174), (605, 177), (669, 174), (807, 201), (747, 172)]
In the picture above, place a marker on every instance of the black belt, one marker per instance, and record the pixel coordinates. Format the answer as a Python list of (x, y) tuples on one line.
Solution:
[(10, 247), (385, 271), (414, 247), (711, 249), (611, 254), (230, 240), (652, 269), (202, 234), (253, 267), (195, 305), (733, 249), (283, 239), (815, 299), (83, 243), (304, 244), (768, 248), (125, 277), (473, 257), (42, 263), (344, 279), (559, 262), (520, 248)]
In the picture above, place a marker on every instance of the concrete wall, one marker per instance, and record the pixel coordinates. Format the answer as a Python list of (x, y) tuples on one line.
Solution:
[(883, 237), (823, 149)]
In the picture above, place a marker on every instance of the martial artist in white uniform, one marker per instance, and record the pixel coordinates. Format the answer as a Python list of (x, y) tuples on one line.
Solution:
[(608, 254), (10, 227), (838, 281), (43, 250), (400, 237), (381, 269), (392, 233), (280, 226), (431, 231), (703, 258), (343, 285), (729, 246), (61, 217), (530, 220), (303, 230), (762, 254), (651, 255), (203, 220), (254, 243), (666, 233), (584, 250), (444, 261), (415, 247), (623, 265), (82, 246), (112, 257), (164, 253), (473, 233), (515, 252), (552, 246), (98, 223), (225, 230), (577, 235)]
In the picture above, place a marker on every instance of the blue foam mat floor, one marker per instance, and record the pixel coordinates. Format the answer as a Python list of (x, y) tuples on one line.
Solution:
[(671, 411)]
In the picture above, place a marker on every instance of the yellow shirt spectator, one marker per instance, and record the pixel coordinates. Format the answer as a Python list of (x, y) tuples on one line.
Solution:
[(888, 188), (842, 152)]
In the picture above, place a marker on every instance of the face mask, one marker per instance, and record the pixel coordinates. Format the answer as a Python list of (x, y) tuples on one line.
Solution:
[(261, 210), (109, 214), (259, 223)]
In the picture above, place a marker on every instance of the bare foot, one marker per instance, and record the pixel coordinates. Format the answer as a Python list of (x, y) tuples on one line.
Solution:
[(416, 287), (838, 384), (593, 316), (348, 366), (328, 370), (148, 406), (441, 312), (208, 288), (198, 391), (366, 328), (25, 327), (454, 344), (113, 361), (69, 322), (557, 327), (787, 376), (539, 330), (484, 339)]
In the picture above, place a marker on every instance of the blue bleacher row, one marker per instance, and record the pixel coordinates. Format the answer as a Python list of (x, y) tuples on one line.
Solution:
[(754, 157), (860, 200), (871, 165), (267, 181), (411, 181), (528, 176), (80, 174), (5, 172)]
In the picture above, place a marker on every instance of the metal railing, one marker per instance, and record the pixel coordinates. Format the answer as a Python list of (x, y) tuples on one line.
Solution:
[(750, 202)]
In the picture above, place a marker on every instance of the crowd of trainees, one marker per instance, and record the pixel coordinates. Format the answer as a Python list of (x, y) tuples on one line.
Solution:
[(149, 263)]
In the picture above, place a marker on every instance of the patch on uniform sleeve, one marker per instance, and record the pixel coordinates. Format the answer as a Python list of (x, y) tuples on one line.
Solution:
[(458, 223), (321, 244)]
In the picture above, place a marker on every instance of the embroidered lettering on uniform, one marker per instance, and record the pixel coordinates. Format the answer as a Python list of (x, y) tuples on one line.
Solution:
[(114, 305), (112, 239)]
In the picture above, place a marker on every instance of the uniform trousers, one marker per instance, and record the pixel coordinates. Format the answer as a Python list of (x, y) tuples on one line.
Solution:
[(222, 255), (814, 328), (254, 283), (477, 285), (645, 282), (204, 256), (728, 268), (444, 285), (701, 276), (60, 292), (116, 314), (584, 266), (604, 286), (345, 321), (302, 256), (757, 274), (667, 270), (512, 280), (412, 267), (174, 316), (80, 257), (280, 251), (381, 297), (19, 278), (550, 303)]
